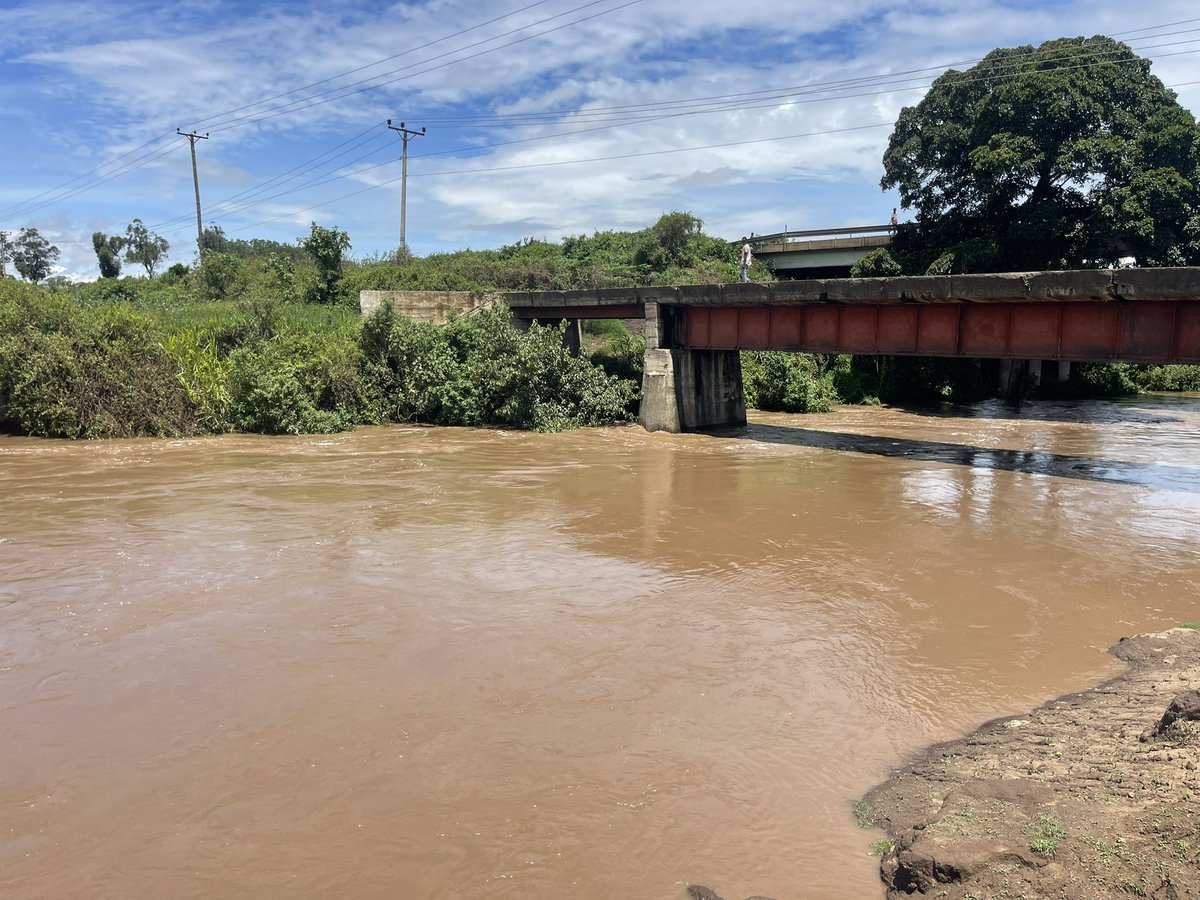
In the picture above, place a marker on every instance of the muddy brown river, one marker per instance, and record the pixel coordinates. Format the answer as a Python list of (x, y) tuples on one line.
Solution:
[(446, 663)]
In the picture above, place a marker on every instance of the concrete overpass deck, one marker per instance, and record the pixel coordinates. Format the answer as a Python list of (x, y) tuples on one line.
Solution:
[(825, 251)]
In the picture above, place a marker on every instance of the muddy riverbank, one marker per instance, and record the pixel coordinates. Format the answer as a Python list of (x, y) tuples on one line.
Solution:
[(1094, 795)]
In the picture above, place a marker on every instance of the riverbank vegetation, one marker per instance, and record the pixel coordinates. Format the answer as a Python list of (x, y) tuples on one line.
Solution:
[(76, 368), (266, 337)]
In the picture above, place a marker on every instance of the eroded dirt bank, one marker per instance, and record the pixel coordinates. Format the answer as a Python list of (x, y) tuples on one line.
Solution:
[(1093, 795)]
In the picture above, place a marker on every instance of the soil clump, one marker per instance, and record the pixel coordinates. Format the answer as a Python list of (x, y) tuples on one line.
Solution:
[(1094, 795)]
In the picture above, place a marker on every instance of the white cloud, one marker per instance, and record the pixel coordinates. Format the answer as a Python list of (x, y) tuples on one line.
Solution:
[(93, 86)]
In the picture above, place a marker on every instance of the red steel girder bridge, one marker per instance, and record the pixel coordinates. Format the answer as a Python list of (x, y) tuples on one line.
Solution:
[(1093, 315)]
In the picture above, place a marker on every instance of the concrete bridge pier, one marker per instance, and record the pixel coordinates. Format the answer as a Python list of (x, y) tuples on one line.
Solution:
[(688, 390)]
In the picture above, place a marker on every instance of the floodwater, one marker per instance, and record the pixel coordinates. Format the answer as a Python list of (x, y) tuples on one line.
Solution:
[(446, 663)]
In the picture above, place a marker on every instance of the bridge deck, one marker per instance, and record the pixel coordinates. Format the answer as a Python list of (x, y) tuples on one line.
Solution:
[(1096, 285), (1147, 315)]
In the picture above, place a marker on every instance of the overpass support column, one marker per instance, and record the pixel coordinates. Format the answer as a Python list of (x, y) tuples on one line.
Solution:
[(688, 390)]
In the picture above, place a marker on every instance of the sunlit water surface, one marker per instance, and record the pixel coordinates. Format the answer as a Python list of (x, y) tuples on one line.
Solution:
[(443, 663)]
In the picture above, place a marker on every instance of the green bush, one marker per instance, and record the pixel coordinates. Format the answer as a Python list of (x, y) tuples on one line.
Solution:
[(786, 382), (615, 349), (204, 375), (69, 373), (909, 379), (145, 294), (877, 263), (219, 276), (1166, 378), (943, 265), (1100, 380), (482, 370), (300, 384)]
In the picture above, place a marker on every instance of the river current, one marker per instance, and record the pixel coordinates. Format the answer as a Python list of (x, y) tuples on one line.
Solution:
[(448, 663)]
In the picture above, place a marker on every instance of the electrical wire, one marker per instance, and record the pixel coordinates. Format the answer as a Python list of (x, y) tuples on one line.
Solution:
[(24, 208), (18, 208), (296, 171), (295, 106), (789, 102), (688, 106), (200, 123)]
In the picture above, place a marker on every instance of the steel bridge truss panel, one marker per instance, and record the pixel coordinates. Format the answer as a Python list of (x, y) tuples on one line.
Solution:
[(1082, 331)]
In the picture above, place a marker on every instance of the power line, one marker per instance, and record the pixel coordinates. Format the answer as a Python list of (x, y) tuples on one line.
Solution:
[(1155, 27), (891, 77), (295, 106), (131, 166), (21, 207), (371, 65), (15, 209), (571, 162), (296, 171), (787, 102), (406, 135), (192, 138), (691, 106)]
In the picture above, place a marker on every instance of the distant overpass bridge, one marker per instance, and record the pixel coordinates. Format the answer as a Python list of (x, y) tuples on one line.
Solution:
[(693, 376), (819, 253)]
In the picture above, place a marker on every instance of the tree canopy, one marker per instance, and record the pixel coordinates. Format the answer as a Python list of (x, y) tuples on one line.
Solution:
[(33, 256), (144, 247), (1066, 155), (326, 246), (108, 253)]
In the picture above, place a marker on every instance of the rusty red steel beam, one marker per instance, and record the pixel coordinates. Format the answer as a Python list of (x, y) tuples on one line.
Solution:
[(1106, 331), (597, 311)]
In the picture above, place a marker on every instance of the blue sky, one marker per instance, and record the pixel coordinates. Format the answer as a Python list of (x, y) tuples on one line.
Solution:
[(543, 118)]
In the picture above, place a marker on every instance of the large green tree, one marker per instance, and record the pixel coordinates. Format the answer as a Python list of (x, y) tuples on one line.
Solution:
[(1066, 155), (144, 247), (326, 246), (33, 256), (108, 253)]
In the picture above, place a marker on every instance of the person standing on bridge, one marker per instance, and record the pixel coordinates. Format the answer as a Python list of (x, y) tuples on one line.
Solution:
[(895, 221), (747, 259)]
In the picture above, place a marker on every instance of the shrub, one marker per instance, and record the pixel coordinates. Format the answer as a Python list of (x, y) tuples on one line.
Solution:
[(619, 353), (1100, 380), (204, 375), (911, 379), (877, 263), (786, 382), (1167, 378), (71, 374), (482, 370), (219, 276), (943, 265), (300, 384)]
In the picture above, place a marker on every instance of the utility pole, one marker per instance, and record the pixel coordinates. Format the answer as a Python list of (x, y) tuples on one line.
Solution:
[(406, 135), (192, 138)]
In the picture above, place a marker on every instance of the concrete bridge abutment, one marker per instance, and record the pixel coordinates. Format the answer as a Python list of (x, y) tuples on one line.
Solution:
[(688, 390)]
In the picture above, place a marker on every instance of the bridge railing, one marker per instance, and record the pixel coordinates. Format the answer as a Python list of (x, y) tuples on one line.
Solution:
[(816, 234)]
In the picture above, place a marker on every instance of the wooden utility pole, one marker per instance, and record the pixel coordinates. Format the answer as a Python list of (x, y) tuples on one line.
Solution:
[(192, 138), (406, 135)]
